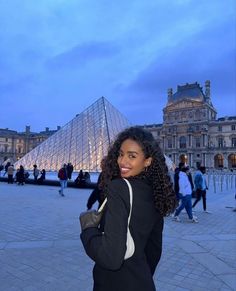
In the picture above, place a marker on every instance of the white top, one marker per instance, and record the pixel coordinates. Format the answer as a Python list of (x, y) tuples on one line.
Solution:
[(184, 184)]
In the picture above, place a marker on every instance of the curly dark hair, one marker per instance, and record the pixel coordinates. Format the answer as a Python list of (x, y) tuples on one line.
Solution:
[(156, 173)]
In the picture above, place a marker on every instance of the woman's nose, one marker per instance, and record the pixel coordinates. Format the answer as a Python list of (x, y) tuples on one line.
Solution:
[(123, 160)]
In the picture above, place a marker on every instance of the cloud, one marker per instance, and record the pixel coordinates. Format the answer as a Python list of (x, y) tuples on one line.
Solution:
[(80, 55)]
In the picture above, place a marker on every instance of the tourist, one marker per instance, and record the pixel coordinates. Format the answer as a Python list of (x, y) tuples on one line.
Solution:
[(96, 195), (35, 172), (20, 176), (42, 177), (70, 169), (137, 157), (62, 175), (185, 193), (201, 188), (79, 181), (10, 172)]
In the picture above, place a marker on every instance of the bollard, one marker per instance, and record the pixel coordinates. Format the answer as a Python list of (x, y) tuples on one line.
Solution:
[(214, 182)]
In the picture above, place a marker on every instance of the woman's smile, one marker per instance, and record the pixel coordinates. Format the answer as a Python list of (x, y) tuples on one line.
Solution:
[(131, 159)]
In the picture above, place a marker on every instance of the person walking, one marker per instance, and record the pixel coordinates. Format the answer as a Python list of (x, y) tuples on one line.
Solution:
[(201, 188), (62, 175), (136, 157), (35, 173), (10, 172), (185, 193)]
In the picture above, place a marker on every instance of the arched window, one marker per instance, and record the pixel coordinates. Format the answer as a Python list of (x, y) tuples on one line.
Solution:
[(219, 161), (232, 161), (182, 142)]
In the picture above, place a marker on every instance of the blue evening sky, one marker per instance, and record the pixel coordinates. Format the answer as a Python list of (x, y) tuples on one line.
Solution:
[(57, 57)]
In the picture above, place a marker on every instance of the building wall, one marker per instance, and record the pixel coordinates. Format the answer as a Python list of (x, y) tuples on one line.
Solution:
[(190, 128), (14, 145)]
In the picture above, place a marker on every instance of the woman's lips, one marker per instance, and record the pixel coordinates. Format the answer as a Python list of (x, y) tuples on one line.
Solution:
[(124, 170)]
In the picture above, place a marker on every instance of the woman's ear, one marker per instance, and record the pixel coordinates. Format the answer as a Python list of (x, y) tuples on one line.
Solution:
[(148, 162)]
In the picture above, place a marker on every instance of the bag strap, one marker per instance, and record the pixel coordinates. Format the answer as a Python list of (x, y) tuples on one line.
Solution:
[(103, 205), (130, 198)]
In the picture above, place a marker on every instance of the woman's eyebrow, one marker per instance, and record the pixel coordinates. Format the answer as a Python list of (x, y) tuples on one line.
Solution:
[(132, 152)]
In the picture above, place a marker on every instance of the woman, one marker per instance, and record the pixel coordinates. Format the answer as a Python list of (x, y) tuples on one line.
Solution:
[(136, 156)]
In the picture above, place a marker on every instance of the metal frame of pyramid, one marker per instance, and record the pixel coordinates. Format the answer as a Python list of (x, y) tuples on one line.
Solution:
[(83, 141)]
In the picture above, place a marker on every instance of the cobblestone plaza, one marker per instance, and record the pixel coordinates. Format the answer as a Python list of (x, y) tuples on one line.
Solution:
[(40, 248)]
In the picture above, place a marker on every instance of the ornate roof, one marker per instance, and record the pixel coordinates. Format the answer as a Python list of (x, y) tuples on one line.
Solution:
[(188, 91)]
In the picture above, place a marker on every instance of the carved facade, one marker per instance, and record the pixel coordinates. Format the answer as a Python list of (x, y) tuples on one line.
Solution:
[(14, 145), (191, 129)]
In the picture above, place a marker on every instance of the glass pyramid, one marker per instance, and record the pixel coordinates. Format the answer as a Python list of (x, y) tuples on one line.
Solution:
[(83, 141)]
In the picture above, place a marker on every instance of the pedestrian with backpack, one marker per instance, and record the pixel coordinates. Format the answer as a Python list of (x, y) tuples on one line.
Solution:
[(63, 177), (185, 187), (201, 187)]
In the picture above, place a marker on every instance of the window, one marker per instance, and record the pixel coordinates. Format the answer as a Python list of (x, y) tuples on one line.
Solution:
[(219, 127), (234, 142), (233, 127), (232, 161), (6, 148), (182, 142), (198, 142), (6, 139), (220, 142), (169, 143)]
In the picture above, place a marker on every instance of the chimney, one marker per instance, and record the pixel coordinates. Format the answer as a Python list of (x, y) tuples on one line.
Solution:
[(170, 94), (58, 127), (27, 129), (47, 129), (208, 90)]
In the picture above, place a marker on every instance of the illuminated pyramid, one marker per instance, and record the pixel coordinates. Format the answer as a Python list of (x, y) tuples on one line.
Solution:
[(83, 141)]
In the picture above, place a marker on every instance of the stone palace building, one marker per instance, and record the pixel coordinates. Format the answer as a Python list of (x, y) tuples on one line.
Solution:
[(14, 145), (192, 132)]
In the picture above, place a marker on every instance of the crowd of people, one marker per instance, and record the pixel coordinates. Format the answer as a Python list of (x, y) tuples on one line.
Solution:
[(65, 174), (187, 188), (39, 176), (21, 175)]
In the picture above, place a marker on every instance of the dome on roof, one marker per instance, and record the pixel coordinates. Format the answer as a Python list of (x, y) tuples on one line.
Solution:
[(188, 91)]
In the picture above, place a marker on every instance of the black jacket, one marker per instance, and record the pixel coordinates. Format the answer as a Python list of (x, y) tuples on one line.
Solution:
[(111, 271)]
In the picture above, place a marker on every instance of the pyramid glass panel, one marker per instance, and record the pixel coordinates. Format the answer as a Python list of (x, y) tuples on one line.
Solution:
[(83, 141)]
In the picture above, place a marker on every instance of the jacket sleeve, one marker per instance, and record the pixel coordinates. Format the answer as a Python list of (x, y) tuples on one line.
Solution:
[(108, 249), (153, 248)]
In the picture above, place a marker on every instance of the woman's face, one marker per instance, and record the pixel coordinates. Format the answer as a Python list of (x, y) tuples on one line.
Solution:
[(131, 159)]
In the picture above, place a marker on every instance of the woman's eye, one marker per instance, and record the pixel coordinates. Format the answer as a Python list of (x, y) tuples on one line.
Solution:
[(132, 156)]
